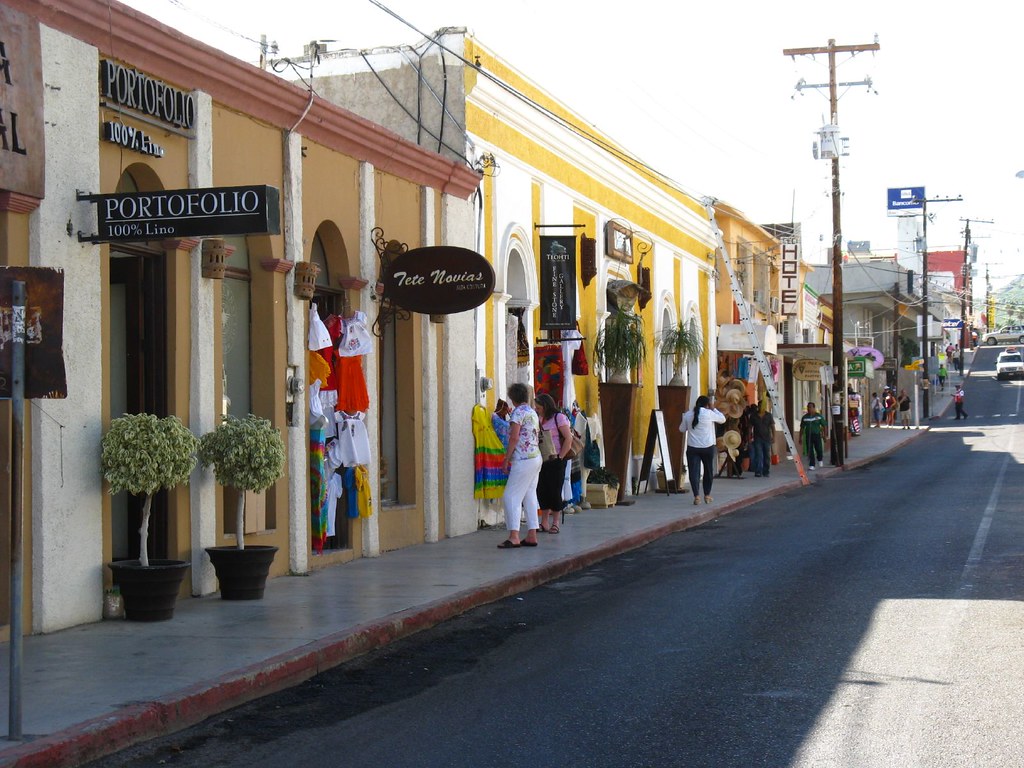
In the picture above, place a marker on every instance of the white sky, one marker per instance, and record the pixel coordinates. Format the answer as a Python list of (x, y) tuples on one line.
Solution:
[(705, 94)]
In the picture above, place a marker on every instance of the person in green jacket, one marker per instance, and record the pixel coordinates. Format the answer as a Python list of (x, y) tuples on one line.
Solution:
[(812, 429)]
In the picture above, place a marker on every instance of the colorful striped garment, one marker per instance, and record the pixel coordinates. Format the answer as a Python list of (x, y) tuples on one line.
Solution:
[(318, 486), (489, 476)]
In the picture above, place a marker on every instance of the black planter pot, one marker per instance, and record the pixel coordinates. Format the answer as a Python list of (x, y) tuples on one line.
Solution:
[(149, 592), (242, 573)]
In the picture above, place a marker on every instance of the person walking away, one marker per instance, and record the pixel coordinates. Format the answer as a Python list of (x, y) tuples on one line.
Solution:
[(762, 427), (522, 462), (904, 406), (958, 402), (701, 450), (552, 470), (942, 376), (812, 429), (876, 409)]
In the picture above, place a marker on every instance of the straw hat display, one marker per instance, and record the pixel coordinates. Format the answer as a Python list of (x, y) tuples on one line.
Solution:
[(734, 396), (736, 385), (733, 410), (730, 442)]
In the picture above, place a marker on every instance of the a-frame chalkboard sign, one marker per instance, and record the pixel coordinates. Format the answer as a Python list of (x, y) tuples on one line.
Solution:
[(656, 434)]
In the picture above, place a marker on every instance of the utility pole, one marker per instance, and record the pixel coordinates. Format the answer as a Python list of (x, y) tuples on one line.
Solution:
[(964, 279), (838, 358)]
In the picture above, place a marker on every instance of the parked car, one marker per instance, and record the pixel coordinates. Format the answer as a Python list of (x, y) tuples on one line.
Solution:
[(1010, 364), (1008, 334)]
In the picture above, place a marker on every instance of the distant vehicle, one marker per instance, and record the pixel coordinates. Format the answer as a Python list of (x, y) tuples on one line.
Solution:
[(1012, 334), (1010, 364)]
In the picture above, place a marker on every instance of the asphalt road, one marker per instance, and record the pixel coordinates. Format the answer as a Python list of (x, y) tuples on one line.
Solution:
[(873, 619)]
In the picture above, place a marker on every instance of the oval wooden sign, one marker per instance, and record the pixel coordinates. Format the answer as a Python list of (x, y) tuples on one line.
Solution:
[(439, 280), (806, 369)]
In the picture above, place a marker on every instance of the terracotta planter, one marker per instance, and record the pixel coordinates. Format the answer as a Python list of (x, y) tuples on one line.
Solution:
[(305, 279), (618, 401), (242, 573), (674, 402), (150, 592)]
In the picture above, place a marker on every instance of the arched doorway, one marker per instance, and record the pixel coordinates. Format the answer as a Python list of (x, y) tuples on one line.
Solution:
[(137, 362)]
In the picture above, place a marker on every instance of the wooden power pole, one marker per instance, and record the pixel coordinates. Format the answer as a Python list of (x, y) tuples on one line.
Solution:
[(838, 358)]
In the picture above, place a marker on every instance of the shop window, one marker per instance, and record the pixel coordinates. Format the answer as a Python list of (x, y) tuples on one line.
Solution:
[(235, 331)]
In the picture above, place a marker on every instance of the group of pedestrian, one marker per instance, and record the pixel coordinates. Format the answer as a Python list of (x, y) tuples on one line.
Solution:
[(534, 483), (887, 406)]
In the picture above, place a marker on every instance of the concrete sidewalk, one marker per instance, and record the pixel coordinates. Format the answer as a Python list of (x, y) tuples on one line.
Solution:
[(95, 689)]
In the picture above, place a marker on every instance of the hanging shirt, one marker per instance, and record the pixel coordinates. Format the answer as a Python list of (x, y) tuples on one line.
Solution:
[(364, 500), (353, 440), (334, 491), (355, 338)]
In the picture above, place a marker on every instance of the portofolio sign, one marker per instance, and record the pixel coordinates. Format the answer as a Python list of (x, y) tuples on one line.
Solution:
[(44, 331), (439, 280), (175, 213)]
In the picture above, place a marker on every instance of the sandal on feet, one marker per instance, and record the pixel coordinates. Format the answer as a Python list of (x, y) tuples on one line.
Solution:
[(525, 543), (553, 528), (508, 544)]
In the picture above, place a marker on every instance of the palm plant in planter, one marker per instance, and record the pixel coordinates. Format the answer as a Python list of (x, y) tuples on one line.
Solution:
[(248, 455), (620, 347), (683, 342), (142, 454)]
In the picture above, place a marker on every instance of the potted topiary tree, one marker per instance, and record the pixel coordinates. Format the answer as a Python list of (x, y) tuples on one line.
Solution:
[(248, 455), (682, 342), (142, 454)]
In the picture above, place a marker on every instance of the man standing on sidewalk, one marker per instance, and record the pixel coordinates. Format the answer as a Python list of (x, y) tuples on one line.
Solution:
[(958, 401), (904, 405), (812, 427)]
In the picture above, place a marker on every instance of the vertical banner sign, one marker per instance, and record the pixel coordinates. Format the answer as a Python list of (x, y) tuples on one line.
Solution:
[(789, 279), (43, 321), (558, 283)]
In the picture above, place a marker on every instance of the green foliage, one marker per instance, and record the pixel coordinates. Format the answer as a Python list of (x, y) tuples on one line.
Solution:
[(602, 476), (908, 350), (143, 453), (247, 454), (683, 341), (621, 345)]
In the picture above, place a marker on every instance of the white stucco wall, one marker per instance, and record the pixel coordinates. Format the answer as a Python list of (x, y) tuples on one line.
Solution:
[(67, 519), (460, 385), (203, 373)]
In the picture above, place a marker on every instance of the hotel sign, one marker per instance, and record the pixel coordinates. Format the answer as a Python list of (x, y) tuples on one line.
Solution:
[(789, 279), (142, 216), (22, 155)]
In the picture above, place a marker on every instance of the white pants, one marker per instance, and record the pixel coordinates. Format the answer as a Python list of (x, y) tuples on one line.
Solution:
[(520, 492)]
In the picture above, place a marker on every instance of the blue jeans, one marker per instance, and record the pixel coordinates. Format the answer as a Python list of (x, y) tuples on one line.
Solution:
[(760, 456), (695, 459)]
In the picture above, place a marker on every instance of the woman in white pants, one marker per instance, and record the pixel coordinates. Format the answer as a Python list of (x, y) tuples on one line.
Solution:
[(523, 463)]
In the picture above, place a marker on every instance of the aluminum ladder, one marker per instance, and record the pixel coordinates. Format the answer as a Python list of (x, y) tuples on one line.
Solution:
[(755, 344)]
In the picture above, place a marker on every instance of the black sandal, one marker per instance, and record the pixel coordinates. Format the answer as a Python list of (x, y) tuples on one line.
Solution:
[(508, 544)]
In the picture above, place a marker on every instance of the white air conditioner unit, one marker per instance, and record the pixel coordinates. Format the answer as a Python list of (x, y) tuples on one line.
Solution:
[(774, 304), (792, 332)]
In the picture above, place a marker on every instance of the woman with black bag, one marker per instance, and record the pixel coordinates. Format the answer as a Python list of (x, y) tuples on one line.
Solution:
[(552, 471)]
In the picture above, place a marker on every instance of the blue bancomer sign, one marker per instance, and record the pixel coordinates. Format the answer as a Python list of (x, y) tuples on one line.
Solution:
[(905, 200), (952, 323)]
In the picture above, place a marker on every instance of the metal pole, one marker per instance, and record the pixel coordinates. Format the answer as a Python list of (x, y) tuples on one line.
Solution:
[(926, 406), (17, 481)]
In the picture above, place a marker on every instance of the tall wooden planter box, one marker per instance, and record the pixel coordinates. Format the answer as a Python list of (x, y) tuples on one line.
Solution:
[(674, 402), (618, 402)]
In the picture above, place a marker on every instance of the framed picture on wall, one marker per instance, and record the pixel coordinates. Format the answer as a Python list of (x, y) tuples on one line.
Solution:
[(618, 242)]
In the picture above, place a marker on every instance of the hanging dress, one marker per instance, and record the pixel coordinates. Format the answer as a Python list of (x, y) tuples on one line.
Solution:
[(354, 343), (489, 476)]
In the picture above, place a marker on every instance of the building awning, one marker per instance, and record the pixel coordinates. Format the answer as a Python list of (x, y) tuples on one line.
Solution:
[(733, 338)]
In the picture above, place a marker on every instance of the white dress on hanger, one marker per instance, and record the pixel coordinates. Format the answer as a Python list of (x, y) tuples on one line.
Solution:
[(353, 440)]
